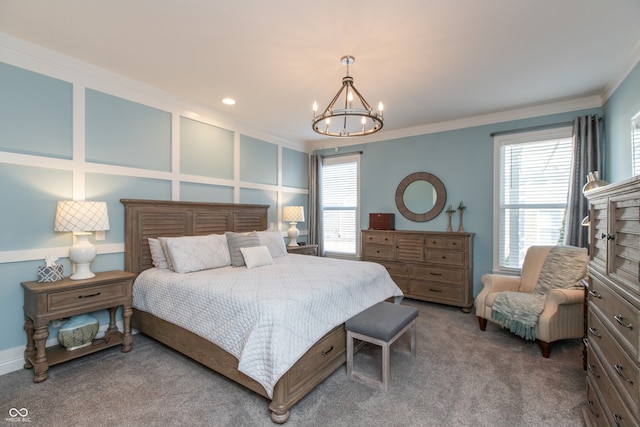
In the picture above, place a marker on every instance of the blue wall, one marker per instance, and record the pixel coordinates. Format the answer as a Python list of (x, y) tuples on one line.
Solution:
[(462, 159), (109, 146), (621, 106)]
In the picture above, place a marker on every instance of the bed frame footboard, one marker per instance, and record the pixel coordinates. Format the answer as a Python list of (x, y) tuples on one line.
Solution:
[(311, 369)]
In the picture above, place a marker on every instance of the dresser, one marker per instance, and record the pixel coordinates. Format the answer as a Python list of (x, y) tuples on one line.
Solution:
[(613, 315), (426, 265)]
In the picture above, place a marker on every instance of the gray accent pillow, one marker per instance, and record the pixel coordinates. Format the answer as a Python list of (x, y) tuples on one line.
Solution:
[(240, 240), (563, 267)]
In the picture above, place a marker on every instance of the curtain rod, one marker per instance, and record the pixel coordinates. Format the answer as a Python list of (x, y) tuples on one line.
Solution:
[(550, 125), (340, 154)]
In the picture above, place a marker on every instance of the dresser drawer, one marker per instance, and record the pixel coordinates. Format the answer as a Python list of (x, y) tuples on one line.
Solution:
[(378, 251), (594, 407), (444, 275), (85, 297), (620, 315), (436, 292), (378, 238), (623, 371), (395, 268), (615, 409), (445, 257), (444, 242)]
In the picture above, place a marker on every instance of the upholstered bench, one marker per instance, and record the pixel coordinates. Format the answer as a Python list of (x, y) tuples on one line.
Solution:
[(380, 324)]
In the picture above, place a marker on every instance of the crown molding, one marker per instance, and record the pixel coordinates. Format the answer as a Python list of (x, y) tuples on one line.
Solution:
[(563, 106), (633, 60)]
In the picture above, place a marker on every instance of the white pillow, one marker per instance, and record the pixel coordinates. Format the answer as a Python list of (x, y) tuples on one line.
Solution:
[(256, 256), (274, 241), (158, 258), (195, 253), (167, 255)]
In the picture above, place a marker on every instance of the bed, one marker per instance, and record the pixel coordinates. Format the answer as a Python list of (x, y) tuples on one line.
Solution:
[(145, 219)]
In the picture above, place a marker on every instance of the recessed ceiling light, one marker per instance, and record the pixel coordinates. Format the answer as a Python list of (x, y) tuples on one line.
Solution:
[(228, 101)]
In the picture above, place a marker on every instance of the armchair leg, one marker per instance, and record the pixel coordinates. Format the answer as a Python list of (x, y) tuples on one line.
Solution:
[(546, 348), (482, 322)]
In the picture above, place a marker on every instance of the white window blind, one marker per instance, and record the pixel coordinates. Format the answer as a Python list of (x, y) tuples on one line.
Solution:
[(635, 142), (340, 199), (532, 190)]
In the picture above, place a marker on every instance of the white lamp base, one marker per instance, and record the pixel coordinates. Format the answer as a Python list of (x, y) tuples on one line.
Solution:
[(293, 233), (82, 254)]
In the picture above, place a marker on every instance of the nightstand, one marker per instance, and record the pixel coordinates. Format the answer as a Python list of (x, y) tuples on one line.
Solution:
[(303, 249), (44, 302)]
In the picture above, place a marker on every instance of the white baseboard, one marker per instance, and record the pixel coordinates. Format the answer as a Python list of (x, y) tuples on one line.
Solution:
[(12, 359)]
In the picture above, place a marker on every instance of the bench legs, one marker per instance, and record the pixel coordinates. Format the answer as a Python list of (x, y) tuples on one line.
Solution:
[(386, 356)]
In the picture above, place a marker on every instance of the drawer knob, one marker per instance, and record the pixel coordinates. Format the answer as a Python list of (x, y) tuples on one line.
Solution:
[(435, 290), (591, 407), (611, 237), (593, 332), (435, 274), (620, 372), (595, 294), (620, 319), (90, 295)]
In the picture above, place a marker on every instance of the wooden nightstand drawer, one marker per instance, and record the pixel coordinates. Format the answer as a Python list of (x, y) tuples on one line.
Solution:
[(86, 296)]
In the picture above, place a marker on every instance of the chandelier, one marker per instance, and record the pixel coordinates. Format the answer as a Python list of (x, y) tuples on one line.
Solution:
[(353, 116)]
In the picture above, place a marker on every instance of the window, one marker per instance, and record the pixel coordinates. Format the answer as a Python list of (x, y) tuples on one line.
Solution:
[(530, 196), (635, 144), (340, 205)]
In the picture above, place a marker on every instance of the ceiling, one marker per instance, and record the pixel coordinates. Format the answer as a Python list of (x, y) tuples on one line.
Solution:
[(428, 61)]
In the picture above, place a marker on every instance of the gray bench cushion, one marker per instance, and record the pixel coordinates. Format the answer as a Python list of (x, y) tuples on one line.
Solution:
[(382, 321)]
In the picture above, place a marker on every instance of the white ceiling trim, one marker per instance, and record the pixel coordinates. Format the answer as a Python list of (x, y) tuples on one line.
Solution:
[(583, 103)]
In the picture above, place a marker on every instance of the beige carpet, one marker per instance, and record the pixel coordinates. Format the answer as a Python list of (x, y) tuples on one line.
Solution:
[(461, 377)]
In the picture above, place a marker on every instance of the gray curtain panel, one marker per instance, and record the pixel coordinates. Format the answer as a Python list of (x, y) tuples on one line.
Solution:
[(315, 214), (587, 157)]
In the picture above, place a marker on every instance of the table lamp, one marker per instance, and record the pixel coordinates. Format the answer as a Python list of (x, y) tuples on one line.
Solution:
[(81, 218), (293, 215)]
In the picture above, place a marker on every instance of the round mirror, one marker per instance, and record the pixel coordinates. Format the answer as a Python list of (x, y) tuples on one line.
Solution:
[(420, 197)]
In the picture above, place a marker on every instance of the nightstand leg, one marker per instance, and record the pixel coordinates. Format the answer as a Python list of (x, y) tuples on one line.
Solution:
[(126, 334), (30, 351), (112, 320), (40, 366)]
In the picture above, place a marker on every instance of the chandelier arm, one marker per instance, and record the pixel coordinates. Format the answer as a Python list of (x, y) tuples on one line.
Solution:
[(364, 101), (333, 101)]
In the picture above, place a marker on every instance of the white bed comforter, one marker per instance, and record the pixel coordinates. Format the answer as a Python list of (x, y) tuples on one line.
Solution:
[(267, 317)]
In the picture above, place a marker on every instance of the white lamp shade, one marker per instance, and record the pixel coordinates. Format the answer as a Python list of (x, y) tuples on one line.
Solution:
[(293, 214), (79, 216)]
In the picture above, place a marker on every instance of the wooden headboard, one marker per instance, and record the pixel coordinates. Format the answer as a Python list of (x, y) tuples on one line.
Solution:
[(156, 218)]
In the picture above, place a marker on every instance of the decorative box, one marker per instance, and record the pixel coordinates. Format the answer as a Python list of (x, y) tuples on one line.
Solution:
[(78, 331), (382, 221), (50, 274)]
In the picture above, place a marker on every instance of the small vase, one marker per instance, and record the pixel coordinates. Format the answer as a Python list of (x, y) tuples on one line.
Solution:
[(460, 226), (449, 228)]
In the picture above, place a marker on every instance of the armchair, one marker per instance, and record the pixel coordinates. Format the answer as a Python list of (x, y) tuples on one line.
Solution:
[(563, 314)]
